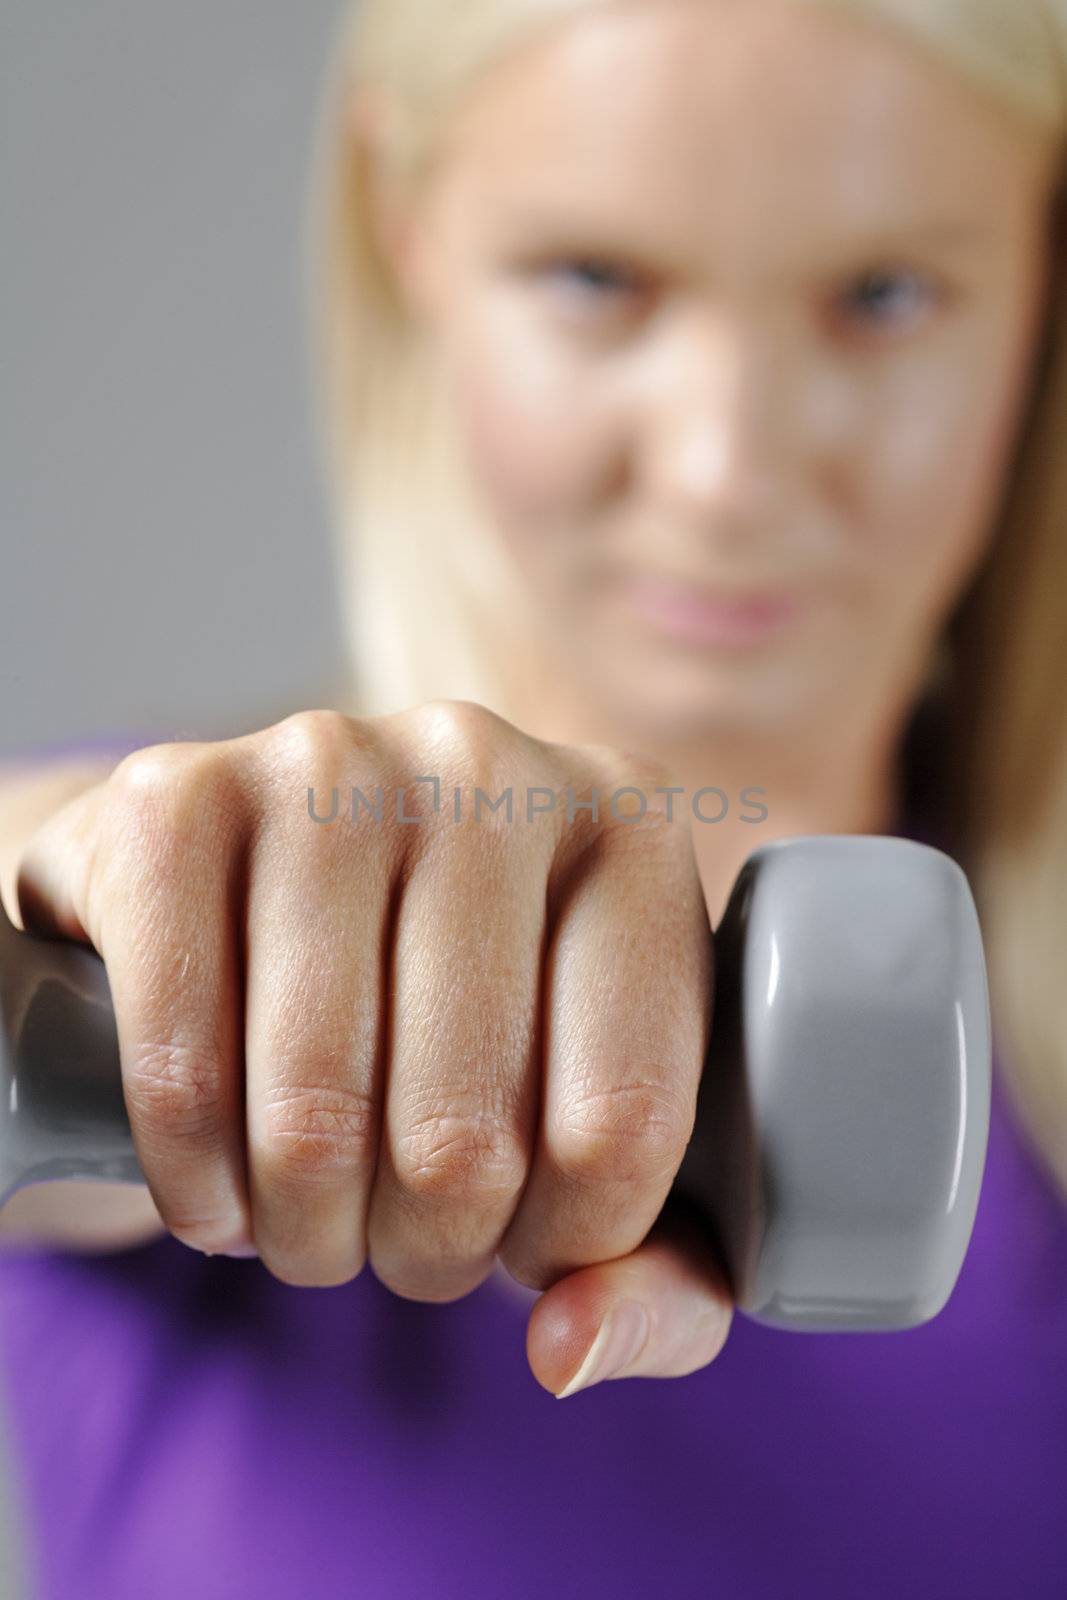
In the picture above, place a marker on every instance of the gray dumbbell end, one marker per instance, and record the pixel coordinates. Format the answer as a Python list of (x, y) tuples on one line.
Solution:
[(843, 1112)]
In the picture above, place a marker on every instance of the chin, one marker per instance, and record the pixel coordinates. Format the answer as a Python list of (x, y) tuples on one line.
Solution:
[(687, 705)]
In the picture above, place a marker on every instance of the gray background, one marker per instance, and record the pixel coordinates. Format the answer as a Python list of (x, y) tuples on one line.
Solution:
[(162, 521), (164, 561)]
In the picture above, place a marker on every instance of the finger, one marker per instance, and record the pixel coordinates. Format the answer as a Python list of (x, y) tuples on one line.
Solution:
[(669, 1306), (159, 902), (318, 918), (50, 875), (463, 1080), (628, 985)]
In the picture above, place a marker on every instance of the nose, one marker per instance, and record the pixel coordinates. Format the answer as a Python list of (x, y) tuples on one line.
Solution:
[(716, 447)]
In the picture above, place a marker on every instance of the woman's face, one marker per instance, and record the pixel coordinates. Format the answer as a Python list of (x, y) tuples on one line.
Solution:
[(735, 307)]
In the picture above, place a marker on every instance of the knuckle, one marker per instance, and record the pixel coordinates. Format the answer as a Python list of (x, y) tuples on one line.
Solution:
[(634, 786), (320, 1132), (448, 1156), (160, 797), (140, 795), (634, 1132), (455, 720), (469, 737), (490, 764), (153, 773), (620, 794), (147, 770), (176, 1092), (308, 740), (308, 766)]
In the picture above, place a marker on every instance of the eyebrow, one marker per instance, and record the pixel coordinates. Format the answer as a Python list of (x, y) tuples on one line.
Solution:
[(943, 232), (946, 232)]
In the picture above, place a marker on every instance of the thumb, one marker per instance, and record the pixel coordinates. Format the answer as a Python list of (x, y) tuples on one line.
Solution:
[(662, 1311)]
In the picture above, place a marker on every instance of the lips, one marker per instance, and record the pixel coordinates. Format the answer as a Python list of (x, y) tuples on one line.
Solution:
[(692, 611)]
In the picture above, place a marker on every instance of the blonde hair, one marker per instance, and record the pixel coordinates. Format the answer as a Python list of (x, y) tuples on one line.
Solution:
[(985, 754)]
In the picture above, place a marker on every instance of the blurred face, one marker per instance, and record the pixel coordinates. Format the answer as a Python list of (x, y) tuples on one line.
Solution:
[(736, 308)]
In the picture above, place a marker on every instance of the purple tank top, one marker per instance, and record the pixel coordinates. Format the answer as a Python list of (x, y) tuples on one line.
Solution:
[(182, 1426)]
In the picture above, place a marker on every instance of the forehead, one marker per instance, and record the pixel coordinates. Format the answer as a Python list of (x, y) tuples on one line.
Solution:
[(714, 115)]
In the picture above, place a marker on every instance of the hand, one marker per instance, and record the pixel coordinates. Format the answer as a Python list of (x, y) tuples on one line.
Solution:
[(424, 1044)]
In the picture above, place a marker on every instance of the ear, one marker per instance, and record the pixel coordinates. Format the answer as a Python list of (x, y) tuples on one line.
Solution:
[(398, 219)]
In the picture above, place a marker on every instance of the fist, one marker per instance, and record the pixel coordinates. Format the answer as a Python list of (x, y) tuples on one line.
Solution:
[(418, 991)]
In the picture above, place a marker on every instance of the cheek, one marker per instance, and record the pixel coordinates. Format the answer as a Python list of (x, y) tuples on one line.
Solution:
[(536, 434), (936, 477)]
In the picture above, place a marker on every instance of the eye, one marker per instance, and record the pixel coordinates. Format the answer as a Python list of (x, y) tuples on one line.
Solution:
[(889, 300), (593, 289), (590, 276)]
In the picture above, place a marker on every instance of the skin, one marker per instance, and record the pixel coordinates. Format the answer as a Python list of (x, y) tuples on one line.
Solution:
[(397, 1046), (767, 317), (713, 410)]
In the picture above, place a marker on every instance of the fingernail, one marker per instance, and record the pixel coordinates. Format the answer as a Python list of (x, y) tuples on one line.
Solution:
[(619, 1340), (242, 1245)]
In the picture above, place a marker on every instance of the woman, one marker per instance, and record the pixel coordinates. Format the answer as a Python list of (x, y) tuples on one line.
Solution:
[(696, 375)]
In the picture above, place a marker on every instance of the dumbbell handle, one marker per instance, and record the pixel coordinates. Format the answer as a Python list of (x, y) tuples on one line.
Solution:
[(837, 1191)]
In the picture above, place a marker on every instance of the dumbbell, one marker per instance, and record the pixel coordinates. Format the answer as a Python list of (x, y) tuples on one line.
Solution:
[(842, 1114)]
